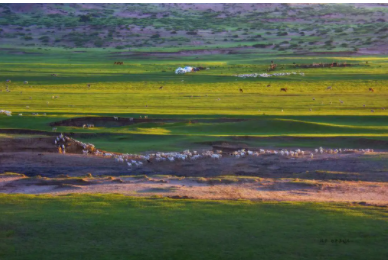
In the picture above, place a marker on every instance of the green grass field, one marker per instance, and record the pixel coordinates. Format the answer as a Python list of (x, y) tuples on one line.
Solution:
[(308, 109), (120, 227)]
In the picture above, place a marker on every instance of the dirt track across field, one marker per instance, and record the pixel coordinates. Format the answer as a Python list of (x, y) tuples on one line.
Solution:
[(365, 193)]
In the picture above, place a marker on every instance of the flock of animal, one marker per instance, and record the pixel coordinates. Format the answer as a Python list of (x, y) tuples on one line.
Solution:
[(266, 75), (135, 160), (138, 160), (6, 112), (9, 113)]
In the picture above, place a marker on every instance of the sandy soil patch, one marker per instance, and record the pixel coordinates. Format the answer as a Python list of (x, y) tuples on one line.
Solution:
[(245, 188)]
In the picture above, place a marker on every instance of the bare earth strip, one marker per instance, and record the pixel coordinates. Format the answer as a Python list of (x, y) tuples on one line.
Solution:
[(246, 188)]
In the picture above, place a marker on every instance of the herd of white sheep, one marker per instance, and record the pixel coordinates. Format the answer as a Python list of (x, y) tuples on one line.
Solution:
[(9, 113), (266, 75), (138, 160)]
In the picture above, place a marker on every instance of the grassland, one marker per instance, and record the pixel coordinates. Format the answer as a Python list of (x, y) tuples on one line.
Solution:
[(308, 109), (120, 227)]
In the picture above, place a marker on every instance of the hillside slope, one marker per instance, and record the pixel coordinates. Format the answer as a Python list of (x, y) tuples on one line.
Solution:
[(296, 28)]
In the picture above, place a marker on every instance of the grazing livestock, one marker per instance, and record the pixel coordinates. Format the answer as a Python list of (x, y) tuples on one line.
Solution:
[(241, 90), (216, 156), (283, 89), (6, 112), (87, 126), (161, 87), (329, 88), (118, 63), (266, 75), (371, 90)]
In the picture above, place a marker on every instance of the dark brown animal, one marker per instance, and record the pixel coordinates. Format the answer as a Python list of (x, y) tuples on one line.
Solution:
[(371, 89), (269, 85), (161, 87), (283, 89), (241, 90)]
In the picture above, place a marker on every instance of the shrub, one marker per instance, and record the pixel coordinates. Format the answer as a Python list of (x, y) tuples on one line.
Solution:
[(282, 34), (98, 43), (85, 18), (44, 39), (329, 42), (261, 45)]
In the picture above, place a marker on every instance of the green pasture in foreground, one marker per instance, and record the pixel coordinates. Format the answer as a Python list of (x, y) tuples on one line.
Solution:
[(120, 227)]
